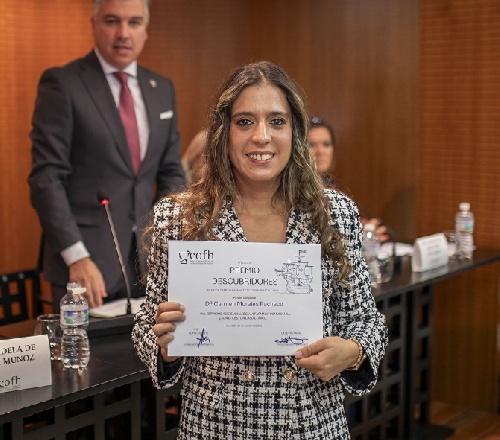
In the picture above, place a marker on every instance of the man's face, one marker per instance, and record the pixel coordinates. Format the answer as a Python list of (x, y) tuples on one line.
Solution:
[(120, 31)]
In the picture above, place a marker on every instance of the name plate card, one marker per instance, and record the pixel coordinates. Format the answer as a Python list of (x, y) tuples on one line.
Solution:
[(25, 363), (429, 252), (245, 299)]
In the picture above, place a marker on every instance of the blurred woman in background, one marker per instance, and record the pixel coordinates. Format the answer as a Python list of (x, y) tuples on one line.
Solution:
[(322, 144), (192, 158)]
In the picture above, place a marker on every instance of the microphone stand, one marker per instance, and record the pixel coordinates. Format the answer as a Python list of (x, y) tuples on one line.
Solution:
[(396, 260), (105, 203)]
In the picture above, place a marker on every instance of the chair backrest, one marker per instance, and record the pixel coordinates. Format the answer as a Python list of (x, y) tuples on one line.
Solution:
[(17, 291)]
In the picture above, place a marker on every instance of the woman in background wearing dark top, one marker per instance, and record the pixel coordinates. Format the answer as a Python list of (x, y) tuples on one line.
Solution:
[(322, 144)]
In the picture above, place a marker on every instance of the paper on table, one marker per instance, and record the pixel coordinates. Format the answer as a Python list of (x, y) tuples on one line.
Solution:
[(116, 308), (25, 363), (402, 249)]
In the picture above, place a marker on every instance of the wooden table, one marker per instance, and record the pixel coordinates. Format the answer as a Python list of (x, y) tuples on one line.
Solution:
[(106, 396), (111, 387), (399, 405)]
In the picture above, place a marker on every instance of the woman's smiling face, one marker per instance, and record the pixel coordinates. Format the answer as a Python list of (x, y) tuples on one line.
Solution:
[(260, 135)]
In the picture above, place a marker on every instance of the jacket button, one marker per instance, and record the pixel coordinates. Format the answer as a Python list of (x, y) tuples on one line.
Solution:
[(249, 376), (290, 374)]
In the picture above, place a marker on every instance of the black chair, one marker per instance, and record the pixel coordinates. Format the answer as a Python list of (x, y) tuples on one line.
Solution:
[(20, 296)]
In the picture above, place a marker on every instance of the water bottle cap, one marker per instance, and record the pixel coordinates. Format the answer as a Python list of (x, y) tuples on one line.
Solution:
[(78, 290), (464, 206)]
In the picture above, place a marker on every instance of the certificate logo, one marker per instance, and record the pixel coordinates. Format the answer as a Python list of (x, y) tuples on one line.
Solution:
[(297, 274), (203, 339), (203, 257)]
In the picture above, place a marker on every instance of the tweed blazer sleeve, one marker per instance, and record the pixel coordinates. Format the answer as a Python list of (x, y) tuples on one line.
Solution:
[(350, 310), (165, 228)]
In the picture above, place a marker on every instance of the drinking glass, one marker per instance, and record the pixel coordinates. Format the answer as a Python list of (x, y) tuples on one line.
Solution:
[(386, 266), (451, 238), (50, 325)]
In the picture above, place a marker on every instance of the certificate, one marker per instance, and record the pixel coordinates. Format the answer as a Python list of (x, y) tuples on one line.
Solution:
[(245, 299)]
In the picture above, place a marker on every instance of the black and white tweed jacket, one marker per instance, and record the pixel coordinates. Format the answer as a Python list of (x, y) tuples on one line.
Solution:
[(281, 401)]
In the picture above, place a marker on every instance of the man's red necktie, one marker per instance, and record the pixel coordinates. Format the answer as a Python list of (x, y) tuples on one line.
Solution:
[(129, 120)]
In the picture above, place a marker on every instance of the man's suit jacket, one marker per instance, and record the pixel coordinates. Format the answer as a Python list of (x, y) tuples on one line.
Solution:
[(79, 148)]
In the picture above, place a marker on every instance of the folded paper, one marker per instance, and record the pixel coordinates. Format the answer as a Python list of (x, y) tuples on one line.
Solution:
[(429, 252), (25, 363)]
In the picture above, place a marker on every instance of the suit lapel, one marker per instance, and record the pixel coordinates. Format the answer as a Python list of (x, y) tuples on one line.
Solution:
[(149, 90), (98, 88)]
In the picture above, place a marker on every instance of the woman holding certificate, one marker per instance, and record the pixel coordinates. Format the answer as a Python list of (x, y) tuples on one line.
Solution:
[(259, 184)]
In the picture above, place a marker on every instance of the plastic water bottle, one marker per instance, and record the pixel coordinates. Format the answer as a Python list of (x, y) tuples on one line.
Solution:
[(464, 229), (75, 351), (370, 250)]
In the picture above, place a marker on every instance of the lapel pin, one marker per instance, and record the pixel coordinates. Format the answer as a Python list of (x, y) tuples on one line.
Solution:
[(153, 83)]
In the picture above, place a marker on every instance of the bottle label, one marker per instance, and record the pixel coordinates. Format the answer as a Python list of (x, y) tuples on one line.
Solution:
[(370, 248), (467, 225), (74, 317)]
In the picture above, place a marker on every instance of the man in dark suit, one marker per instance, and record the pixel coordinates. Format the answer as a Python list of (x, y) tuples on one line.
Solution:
[(80, 148)]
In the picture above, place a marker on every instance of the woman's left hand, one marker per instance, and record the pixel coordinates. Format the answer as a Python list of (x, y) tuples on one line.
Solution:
[(327, 357)]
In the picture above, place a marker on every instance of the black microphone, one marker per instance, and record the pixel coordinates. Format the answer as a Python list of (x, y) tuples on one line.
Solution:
[(104, 201)]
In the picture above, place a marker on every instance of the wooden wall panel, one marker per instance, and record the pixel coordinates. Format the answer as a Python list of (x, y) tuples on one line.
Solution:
[(459, 160), (34, 37), (355, 59), (465, 340)]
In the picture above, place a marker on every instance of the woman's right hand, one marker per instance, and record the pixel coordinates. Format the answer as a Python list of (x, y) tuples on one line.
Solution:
[(167, 315)]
